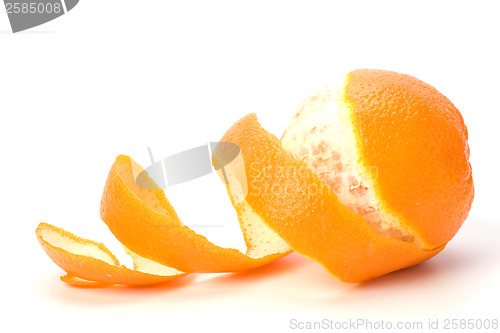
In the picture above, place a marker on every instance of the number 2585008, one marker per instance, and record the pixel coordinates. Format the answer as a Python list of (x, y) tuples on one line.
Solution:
[(33, 8)]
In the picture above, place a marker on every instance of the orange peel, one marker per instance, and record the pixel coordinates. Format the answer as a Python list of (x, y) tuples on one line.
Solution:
[(89, 263), (286, 196), (145, 222), (309, 216)]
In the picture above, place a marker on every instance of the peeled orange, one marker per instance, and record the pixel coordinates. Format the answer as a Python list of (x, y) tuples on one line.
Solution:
[(372, 175), (369, 177), (393, 149)]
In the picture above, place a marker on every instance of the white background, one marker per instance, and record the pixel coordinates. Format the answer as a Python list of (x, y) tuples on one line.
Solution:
[(114, 77)]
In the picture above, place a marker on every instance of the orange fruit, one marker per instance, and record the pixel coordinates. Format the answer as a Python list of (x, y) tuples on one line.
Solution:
[(394, 149), (309, 217), (369, 177)]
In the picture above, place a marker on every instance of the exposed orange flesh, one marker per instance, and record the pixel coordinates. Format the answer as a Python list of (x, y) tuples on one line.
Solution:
[(308, 215)]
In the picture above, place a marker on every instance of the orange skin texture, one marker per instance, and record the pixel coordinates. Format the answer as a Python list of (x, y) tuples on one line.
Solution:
[(413, 134), (308, 215), (418, 141), (98, 272), (145, 222)]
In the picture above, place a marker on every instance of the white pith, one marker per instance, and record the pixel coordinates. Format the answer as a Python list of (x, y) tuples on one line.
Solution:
[(259, 238), (321, 133), (86, 248), (149, 266), (59, 240)]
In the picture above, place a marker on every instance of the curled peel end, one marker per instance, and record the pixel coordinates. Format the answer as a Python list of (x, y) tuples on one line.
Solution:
[(88, 263)]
